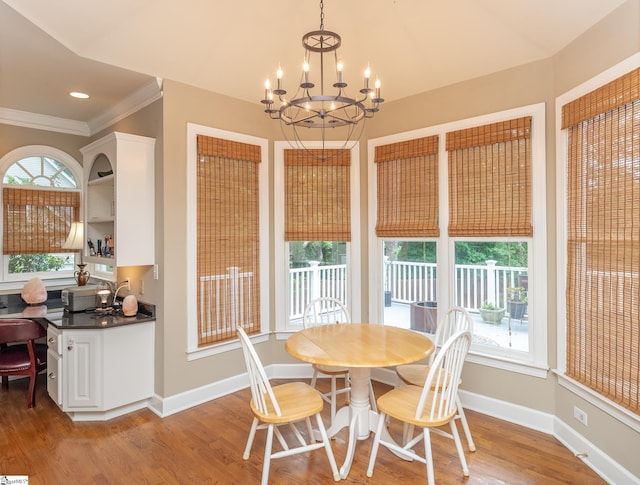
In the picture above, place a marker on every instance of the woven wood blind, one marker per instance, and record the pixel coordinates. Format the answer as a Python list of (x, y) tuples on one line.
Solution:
[(603, 268), (408, 188), (228, 239), (490, 180), (38, 221), (317, 195)]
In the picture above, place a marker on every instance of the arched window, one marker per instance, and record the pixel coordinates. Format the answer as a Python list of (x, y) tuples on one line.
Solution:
[(41, 197)]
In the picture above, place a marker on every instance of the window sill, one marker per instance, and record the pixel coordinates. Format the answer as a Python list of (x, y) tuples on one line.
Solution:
[(526, 368), (222, 347)]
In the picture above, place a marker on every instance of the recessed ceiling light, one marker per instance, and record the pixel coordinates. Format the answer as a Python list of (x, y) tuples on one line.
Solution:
[(77, 94)]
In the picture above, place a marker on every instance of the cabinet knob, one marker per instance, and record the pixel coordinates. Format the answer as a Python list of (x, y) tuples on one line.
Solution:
[(69, 347), (51, 340), (51, 375)]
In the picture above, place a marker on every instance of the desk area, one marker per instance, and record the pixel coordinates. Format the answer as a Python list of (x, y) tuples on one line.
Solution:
[(99, 365), (359, 346)]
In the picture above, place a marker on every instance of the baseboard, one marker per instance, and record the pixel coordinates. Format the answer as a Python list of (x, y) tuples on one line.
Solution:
[(601, 463), (593, 457)]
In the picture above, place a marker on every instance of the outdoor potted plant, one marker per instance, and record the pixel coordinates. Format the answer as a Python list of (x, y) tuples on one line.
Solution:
[(491, 313), (516, 302)]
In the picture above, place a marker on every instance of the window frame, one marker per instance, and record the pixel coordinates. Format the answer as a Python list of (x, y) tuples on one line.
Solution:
[(613, 409), (193, 130), (281, 247), (534, 362), (12, 281)]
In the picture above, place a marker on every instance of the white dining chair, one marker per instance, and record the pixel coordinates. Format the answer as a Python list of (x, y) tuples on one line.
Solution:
[(428, 407), (284, 404), (454, 320), (324, 311)]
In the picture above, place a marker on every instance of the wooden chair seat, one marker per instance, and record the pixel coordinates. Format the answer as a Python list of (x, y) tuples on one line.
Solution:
[(401, 403), (331, 370), (414, 374), (297, 400)]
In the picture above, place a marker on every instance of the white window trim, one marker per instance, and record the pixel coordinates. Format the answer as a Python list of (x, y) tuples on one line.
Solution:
[(14, 281), (281, 256), (573, 386), (535, 362), (193, 130)]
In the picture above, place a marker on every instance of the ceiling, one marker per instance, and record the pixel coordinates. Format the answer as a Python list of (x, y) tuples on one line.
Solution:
[(112, 49)]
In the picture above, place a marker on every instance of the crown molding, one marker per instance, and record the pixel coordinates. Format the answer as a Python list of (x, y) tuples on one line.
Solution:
[(43, 122), (144, 96)]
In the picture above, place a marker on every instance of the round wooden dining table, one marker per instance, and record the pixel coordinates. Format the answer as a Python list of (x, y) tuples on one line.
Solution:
[(360, 347)]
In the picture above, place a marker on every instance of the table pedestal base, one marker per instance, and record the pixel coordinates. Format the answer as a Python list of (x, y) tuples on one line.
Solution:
[(358, 416)]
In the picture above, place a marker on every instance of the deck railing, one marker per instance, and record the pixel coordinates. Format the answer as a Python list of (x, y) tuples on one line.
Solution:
[(408, 282), (309, 283)]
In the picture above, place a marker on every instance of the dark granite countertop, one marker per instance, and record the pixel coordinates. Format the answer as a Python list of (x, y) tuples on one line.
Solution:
[(95, 320), (13, 305), (53, 313)]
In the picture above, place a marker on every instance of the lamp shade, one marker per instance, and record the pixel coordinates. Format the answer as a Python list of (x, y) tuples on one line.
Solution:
[(75, 239)]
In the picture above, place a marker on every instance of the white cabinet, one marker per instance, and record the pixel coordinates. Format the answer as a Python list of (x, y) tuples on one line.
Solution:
[(120, 200), (102, 373)]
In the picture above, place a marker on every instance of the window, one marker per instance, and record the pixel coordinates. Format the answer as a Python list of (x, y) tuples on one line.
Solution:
[(407, 207), (478, 175), (227, 230), (601, 149), (41, 198), (316, 228)]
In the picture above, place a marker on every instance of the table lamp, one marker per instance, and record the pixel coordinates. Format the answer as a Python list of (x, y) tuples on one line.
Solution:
[(75, 240)]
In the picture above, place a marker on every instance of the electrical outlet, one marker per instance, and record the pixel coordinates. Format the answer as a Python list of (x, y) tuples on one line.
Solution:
[(580, 415), (155, 271), (128, 282), (141, 287)]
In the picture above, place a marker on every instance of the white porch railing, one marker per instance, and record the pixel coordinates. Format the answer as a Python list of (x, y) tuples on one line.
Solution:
[(225, 302), (306, 284), (408, 282)]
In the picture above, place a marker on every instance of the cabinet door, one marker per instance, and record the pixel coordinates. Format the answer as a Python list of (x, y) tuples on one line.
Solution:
[(82, 373)]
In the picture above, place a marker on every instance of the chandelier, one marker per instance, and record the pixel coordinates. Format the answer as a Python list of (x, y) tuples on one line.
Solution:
[(313, 106)]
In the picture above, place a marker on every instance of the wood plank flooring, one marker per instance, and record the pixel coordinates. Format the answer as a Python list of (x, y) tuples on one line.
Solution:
[(204, 445)]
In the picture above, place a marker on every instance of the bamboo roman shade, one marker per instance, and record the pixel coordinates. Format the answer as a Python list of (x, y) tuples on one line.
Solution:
[(490, 180), (38, 221), (228, 239), (603, 240), (317, 195), (407, 174)]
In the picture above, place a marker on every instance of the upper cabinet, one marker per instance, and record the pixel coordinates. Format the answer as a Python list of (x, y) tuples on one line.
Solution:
[(120, 200)]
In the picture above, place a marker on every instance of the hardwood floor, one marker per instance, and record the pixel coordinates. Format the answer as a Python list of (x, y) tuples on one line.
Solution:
[(204, 445)]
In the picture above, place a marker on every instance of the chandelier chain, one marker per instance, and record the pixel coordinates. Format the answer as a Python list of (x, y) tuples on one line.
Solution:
[(321, 14)]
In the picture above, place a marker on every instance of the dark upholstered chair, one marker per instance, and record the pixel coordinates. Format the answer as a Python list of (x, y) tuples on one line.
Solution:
[(19, 354)]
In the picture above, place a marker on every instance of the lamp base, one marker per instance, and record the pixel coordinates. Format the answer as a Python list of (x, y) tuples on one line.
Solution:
[(81, 276)]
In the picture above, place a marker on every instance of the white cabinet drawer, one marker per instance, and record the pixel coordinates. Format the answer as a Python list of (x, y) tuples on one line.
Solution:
[(54, 340), (54, 378)]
